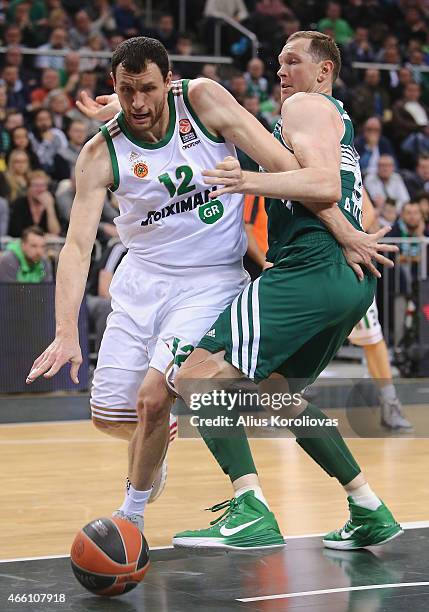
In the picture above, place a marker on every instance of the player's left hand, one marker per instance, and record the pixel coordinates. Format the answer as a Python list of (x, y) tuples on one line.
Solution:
[(362, 249), (227, 173)]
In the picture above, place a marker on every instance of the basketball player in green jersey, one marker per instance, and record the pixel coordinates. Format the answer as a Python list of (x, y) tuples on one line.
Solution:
[(291, 321)]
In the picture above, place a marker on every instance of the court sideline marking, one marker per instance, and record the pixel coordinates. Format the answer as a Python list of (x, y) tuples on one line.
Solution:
[(330, 591), (409, 525)]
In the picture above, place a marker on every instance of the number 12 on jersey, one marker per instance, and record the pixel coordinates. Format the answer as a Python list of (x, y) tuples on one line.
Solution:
[(182, 172)]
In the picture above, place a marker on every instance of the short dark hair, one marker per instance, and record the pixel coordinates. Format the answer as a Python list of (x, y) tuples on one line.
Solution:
[(33, 229), (322, 47), (135, 53)]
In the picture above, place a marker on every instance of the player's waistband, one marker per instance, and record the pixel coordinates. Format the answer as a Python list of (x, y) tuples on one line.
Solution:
[(136, 261)]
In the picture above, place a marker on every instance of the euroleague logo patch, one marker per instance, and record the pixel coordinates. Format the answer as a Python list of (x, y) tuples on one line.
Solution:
[(185, 126), (187, 134), (140, 169)]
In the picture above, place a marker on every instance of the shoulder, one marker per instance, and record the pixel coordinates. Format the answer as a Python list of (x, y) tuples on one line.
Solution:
[(94, 160), (203, 92), (305, 109), (307, 103)]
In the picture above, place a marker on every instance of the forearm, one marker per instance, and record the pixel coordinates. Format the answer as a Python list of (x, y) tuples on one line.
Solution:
[(72, 273), (309, 184), (336, 223)]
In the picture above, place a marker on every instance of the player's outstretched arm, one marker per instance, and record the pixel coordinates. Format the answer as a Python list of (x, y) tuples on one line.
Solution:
[(93, 175), (102, 109)]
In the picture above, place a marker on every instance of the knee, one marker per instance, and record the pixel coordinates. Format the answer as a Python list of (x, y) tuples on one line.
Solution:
[(212, 367), (152, 408), (116, 429)]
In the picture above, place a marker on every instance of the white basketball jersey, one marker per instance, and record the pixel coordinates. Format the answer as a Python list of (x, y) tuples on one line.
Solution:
[(166, 216)]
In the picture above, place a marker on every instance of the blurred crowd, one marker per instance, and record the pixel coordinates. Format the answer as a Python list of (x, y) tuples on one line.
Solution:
[(42, 132)]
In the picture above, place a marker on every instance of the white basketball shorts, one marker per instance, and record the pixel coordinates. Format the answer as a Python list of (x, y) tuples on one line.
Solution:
[(158, 316), (368, 330)]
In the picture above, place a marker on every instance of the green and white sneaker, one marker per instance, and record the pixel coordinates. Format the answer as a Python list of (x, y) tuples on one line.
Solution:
[(364, 528), (246, 524)]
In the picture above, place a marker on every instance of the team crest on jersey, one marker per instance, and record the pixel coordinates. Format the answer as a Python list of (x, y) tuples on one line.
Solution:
[(140, 169), (187, 134)]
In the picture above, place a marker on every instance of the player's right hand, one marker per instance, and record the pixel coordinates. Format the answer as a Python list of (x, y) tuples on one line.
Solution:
[(103, 108), (58, 353)]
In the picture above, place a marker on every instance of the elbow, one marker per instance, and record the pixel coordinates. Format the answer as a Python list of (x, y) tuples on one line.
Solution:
[(332, 189)]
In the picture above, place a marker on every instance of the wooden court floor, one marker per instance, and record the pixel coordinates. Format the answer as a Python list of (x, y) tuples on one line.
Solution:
[(56, 477)]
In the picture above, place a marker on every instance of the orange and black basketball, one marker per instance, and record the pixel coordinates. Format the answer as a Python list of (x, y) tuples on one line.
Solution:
[(109, 556)]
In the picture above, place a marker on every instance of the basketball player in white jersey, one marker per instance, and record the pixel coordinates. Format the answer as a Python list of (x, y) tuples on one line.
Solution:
[(183, 266)]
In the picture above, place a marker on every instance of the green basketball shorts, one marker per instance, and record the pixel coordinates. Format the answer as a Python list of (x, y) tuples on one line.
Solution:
[(295, 316)]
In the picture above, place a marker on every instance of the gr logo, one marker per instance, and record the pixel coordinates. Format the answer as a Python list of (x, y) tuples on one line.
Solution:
[(211, 212)]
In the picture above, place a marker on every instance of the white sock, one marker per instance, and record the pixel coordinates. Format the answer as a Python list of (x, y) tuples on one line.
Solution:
[(365, 497), (135, 501), (256, 489), (388, 392)]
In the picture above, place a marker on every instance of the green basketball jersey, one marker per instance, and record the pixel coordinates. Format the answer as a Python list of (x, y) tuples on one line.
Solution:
[(289, 219)]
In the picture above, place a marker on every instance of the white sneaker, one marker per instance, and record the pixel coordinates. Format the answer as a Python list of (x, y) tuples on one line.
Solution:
[(136, 519), (392, 416)]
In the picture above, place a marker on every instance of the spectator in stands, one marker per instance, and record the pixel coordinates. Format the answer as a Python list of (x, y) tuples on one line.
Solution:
[(14, 181), (210, 71), (66, 159), (15, 57), (236, 9), (58, 103), (257, 84), (418, 180), (101, 15), (184, 47), (114, 39), (405, 76), (422, 198), (342, 31), (17, 93), (37, 208), (359, 48), (409, 113), (98, 296), (12, 35), (81, 30), (64, 196), (50, 80), (252, 105), (69, 75), (272, 8), (57, 40), (58, 18), (4, 217), (412, 25), (128, 18), (371, 144), (387, 213), (20, 140), (13, 119), (370, 98), (96, 42), (166, 32), (46, 140), (24, 261), (271, 108), (386, 183), (238, 87), (410, 225)]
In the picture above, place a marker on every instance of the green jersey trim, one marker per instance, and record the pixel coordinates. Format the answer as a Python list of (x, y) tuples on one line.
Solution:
[(152, 145), (113, 158), (195, 117)]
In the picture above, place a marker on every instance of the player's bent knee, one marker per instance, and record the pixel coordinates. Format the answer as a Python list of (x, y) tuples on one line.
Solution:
[(153, 410)]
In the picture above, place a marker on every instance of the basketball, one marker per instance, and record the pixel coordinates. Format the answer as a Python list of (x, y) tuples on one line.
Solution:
[(109, 556)]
